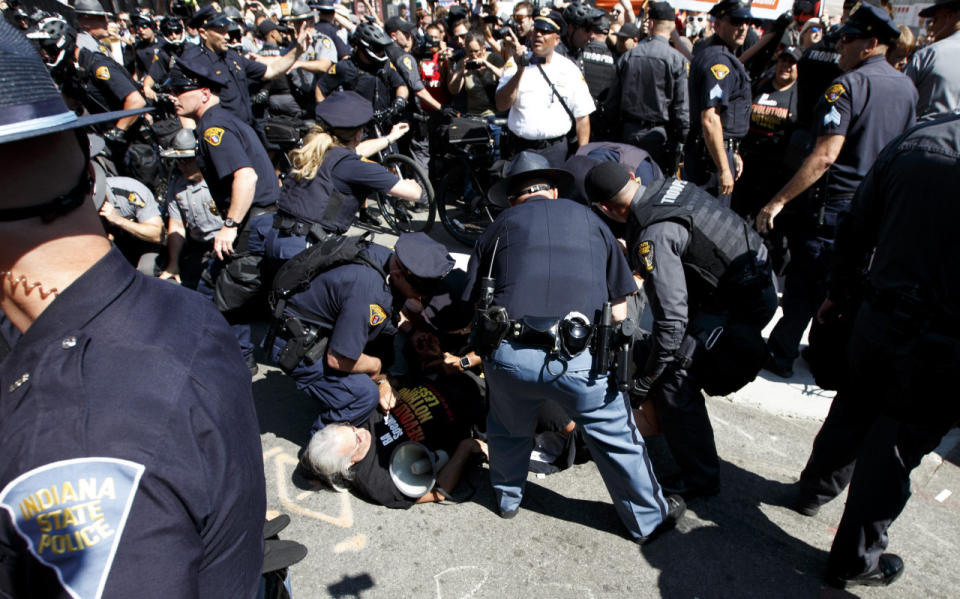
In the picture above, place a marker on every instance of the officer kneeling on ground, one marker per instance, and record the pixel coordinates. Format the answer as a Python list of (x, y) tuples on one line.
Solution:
[(541, 273), (711, 292), (340, 312)]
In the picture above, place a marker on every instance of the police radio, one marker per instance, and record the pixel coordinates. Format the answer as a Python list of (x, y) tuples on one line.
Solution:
[(492, 322)]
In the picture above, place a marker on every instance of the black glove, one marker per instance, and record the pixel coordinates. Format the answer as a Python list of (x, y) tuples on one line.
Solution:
[(115, 136), (399, 103), (640, 390), (260, 98)]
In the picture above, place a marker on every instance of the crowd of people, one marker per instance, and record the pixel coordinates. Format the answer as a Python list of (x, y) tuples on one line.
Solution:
[(657, 160)]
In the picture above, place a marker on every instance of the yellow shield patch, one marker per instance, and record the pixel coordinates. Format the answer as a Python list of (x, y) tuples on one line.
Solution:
[(326, 43), (213, 136), (720, 71), (377, 315), (645, 251), (103, 73), (407, 62), (333, 69), (834, 92), (135, 200)]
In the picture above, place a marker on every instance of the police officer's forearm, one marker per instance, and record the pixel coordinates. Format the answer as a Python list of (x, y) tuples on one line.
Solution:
[(403, 92), (320, 65), (176, 238), (667, 337), (150, 231), (133, 101), (814, 166), (281, 64), (582, 125), (428, 100), (507, 94), (619, 309), (364, 364), (713, 138), (242, 191)]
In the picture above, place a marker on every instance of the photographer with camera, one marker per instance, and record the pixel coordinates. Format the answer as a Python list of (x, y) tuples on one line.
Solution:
[(476, 75), (548, 100)]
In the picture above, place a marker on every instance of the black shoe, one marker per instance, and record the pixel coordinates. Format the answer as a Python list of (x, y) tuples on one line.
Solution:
[(370, 216), (807, 355), (508, 514), (777, 368), (806, 507), (252, 365), (889, 568), (676, 507)]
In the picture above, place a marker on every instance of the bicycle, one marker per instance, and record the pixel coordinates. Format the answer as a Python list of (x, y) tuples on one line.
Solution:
[(401, 215), (462, 193)]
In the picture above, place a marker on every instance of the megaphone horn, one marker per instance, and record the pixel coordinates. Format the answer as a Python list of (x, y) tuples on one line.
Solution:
[(413, 468)]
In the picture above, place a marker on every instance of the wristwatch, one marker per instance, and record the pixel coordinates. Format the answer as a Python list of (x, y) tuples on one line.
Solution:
[(229, 222), (465, 363)]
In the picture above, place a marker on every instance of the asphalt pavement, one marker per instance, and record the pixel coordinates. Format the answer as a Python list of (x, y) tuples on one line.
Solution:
[(567, 541)]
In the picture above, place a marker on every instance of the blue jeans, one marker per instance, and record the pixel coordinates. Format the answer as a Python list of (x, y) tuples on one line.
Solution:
[(520, 379)]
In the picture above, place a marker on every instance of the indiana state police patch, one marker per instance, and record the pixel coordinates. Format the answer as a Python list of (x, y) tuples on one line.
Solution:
[(71, 514)]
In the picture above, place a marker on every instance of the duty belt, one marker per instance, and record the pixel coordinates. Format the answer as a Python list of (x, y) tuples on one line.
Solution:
[(732, 144), (908, 306), (289, 225), (647, 124), (542, 333)]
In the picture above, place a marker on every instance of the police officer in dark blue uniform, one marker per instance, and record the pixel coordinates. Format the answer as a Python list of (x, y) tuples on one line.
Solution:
[(330, 180), (553, 260), (706, 276), (857, 115), (170, 46), (236, 70), (341, 312), (127, 427), (904, 349), (146, 45), (242, 182), (326, 25), (650, 95), (719, 103)]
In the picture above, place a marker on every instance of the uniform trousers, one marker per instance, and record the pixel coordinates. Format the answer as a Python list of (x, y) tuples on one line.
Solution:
[(554, 150), (877, 431), (652, 139), (520, 379), (699, 169)]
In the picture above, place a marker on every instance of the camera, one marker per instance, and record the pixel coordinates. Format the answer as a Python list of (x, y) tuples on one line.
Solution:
[(509, 28), (473, 65)]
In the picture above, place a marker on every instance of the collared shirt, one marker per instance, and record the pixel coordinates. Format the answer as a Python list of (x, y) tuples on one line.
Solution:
[(195, 208), (131, 449), (935, 70), (107, 84), (537, 113), (132, 199), (718, 80), (235, 97)]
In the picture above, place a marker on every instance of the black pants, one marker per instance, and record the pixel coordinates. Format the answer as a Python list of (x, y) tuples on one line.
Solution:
[(877, 431), (554, 150)]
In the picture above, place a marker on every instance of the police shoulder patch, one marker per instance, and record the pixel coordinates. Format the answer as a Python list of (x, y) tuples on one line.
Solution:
[(332, 70), (326, 42), (102, 73), (834, 92), (213, 136), (720, 71), (72, 514), (377, 315), (645, 253), (408, 63)]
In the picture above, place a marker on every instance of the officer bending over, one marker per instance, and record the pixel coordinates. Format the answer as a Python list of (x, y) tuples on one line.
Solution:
[(554, 266), (705, 271)]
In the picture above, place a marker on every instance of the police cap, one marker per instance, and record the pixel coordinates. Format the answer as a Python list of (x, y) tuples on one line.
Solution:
[(208, 17), (735, 9), (550, 21), (527, 166), (425, 261), (267, 25), (867, 20), (184, 145), (345, 110), (188, 73), (794, 53), (599, 21), (397, 24), (605, 180), (661, 11), (325, 5), (928, 11)]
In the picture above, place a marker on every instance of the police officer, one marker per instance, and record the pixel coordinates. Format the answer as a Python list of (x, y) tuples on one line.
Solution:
[(704, 271), (329, 180), (719, 103), (131, 217), (346, 308), (317, 59), (858, 114), (146, 45), (171, 31), (577, 16), (92, 23), (135, 387), (935, 70), (650, 95), (599, 72), (903, 352), (552, 259), (193, 219), (236, 70), (326, 25), (242, 182)]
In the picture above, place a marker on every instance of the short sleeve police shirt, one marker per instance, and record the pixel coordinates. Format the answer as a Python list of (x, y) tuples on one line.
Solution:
[(132, 199), (108, 84), (718, 80)]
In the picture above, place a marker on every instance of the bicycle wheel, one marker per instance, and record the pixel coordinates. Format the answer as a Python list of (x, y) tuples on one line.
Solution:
[(401, 215), (463, 206)]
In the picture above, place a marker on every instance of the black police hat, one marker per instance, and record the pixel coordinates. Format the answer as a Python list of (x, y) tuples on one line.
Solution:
[(661, 11), (867, 20), (735, 9), (208, 17), (426, 261), (188, 73), (550, 20), (91, 7), (525, 167), (605, 180), (30, 103), (344, 110), (795, 53), (599, 21), (267, 25), (928, 11), (184, 145), (397, 24), (325, 5)]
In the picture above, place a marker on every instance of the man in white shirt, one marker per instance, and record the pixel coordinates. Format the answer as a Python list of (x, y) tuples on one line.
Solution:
[(935, 70), (545, 93)]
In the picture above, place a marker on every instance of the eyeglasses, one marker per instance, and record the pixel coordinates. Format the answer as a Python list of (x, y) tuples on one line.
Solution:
[(520, 17), (356, 435), (815, 30)]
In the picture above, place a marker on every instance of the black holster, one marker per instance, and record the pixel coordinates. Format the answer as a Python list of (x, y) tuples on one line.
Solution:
[(491, 329), (305, 343)]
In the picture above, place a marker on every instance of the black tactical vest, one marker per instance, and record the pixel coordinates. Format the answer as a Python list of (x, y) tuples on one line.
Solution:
[(718, 236), (599, 69), (317, 200)]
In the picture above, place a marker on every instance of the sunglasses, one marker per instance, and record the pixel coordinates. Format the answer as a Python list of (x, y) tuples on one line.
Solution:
[(815, 30)]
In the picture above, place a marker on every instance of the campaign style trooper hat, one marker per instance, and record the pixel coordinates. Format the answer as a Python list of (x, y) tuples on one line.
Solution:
[(184, 145), (91, 7), (30, 103), (299, 11), (525, 167)]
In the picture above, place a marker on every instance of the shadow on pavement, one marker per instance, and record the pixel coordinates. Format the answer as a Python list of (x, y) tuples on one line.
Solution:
[(351, 586), (739, 552), (281, 409)]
